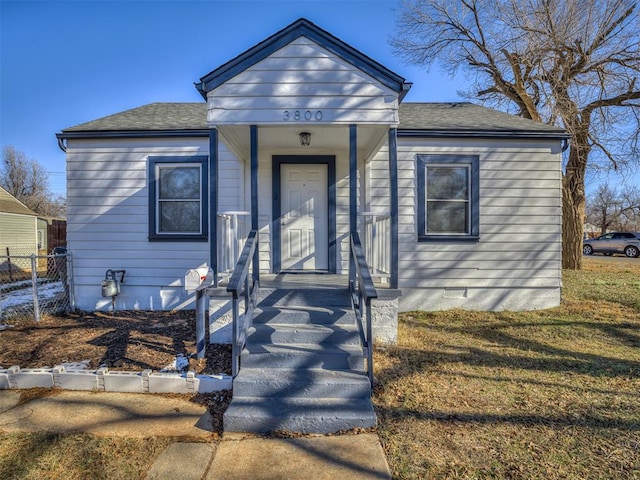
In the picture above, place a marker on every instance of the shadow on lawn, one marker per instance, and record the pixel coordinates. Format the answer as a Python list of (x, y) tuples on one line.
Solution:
[(584, 420), (539, 356), (489, 345), (38, 445)]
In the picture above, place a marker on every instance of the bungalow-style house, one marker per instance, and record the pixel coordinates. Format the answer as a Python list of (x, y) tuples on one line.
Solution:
[(19, 227), (307, 142)]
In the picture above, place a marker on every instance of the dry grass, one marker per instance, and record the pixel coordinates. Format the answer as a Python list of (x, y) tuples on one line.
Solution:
[(546, 394), (549, 394), (50, 456)]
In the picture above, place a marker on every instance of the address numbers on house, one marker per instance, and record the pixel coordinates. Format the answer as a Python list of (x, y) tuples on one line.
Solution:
[(299, 115)]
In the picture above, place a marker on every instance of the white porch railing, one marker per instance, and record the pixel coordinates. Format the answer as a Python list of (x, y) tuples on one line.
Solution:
[(376, 228), (232, 232)]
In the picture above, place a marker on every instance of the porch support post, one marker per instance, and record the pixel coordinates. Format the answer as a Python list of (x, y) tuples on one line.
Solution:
[(254, 198), (213, 203), (353, 197), (393, 204)]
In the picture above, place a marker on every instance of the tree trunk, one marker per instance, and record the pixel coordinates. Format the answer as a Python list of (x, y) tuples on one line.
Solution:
[(573, 196), (573, 211)]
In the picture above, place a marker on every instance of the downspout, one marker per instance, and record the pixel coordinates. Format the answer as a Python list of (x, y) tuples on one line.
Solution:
[(61, 144)]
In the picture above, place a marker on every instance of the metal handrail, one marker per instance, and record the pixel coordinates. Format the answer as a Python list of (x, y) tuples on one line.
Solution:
[(364, 293), (238, 285)]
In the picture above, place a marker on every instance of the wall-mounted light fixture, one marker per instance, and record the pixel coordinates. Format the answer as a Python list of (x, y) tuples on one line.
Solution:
[(305, 139)]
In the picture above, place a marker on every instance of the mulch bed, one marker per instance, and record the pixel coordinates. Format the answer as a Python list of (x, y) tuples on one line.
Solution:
[(126, 340)]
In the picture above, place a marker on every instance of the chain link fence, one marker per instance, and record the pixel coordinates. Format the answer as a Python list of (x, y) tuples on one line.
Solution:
[(34, 285)]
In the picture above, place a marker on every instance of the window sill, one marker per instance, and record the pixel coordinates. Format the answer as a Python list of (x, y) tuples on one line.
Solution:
[(178, 238), (449, 238)]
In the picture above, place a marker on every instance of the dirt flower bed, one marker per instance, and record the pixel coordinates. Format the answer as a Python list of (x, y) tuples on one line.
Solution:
[(127, 340)]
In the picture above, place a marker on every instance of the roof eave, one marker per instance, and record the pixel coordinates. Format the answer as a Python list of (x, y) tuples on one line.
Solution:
[(86, 134), (408, 132)]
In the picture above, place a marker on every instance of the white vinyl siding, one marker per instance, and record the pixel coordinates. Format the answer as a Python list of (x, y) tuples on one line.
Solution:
[(516, 264), (302, 83), (108, 217), (18, 233)]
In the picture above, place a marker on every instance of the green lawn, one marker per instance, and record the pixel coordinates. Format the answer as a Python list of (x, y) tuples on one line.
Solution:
[(546, 394)]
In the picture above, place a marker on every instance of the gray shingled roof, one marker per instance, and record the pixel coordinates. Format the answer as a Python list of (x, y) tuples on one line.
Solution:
[(464, 116), (422, 117), (154, 116)]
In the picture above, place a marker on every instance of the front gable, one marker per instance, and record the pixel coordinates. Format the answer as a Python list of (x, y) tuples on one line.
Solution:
[(302, 74)]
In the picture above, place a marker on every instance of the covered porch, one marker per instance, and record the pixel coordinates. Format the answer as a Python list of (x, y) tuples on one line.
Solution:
[(306, 200)]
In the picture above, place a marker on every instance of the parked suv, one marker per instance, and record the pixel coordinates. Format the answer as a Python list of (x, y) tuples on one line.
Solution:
[(615, 242)]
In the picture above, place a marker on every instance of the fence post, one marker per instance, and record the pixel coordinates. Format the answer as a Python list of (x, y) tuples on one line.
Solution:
[(9, 265), (34, 282), (69, 287)]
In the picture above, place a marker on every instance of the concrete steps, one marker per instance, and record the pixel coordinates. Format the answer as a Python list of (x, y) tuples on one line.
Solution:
[(322, 416), (331, 357), (301, 383), (302, 368)]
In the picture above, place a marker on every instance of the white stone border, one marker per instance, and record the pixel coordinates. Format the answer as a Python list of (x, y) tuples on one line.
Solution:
[(104, 380)]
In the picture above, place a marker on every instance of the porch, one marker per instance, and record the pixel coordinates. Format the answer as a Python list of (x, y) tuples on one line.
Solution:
[(298, 124)]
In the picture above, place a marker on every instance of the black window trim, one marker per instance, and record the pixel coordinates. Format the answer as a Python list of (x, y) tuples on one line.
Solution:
[(203, 236), (451, 159)]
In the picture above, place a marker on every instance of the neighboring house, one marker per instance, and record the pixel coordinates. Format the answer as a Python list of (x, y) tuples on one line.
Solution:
[(18, 227), (309, 139)]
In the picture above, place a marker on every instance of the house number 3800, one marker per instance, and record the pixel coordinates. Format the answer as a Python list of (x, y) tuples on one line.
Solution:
[(297, 115)]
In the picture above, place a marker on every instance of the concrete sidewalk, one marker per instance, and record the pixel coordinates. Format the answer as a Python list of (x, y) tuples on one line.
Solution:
[(195, 456)]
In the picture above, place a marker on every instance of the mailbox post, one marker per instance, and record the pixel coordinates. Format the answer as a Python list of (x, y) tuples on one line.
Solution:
[(198, 279)]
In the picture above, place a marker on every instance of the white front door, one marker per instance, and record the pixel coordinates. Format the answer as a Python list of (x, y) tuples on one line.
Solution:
[(304, 220)]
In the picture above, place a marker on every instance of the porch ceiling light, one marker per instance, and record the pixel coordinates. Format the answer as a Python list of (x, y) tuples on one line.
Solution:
[(305, 139)]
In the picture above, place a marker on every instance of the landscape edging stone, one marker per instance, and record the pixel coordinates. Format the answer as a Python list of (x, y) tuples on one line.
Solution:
[(105, 380)]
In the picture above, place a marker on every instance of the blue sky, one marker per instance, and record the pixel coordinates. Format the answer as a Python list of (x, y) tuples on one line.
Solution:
[(65, 62), (68, 62)]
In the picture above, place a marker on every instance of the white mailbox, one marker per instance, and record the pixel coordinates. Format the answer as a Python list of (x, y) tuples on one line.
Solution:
[(197, 277)]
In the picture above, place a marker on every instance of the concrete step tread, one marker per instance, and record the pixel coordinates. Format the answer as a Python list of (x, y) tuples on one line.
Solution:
[(258, 407), (303, 315), (301, 383), (301, 327), (297, 375), (294, 405), (303, 334), (302, 349), (294, 355), (304, 415), (305, 297)]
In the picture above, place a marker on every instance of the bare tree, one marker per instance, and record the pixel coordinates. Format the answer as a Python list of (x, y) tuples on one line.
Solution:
[(28, 181), (630, 211), (572, 63), (611, 209), (604, 208)]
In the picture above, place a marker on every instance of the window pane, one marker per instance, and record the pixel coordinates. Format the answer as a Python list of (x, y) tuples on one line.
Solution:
[(179, 217), (447, 183), (179, 183), (447, 217)]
